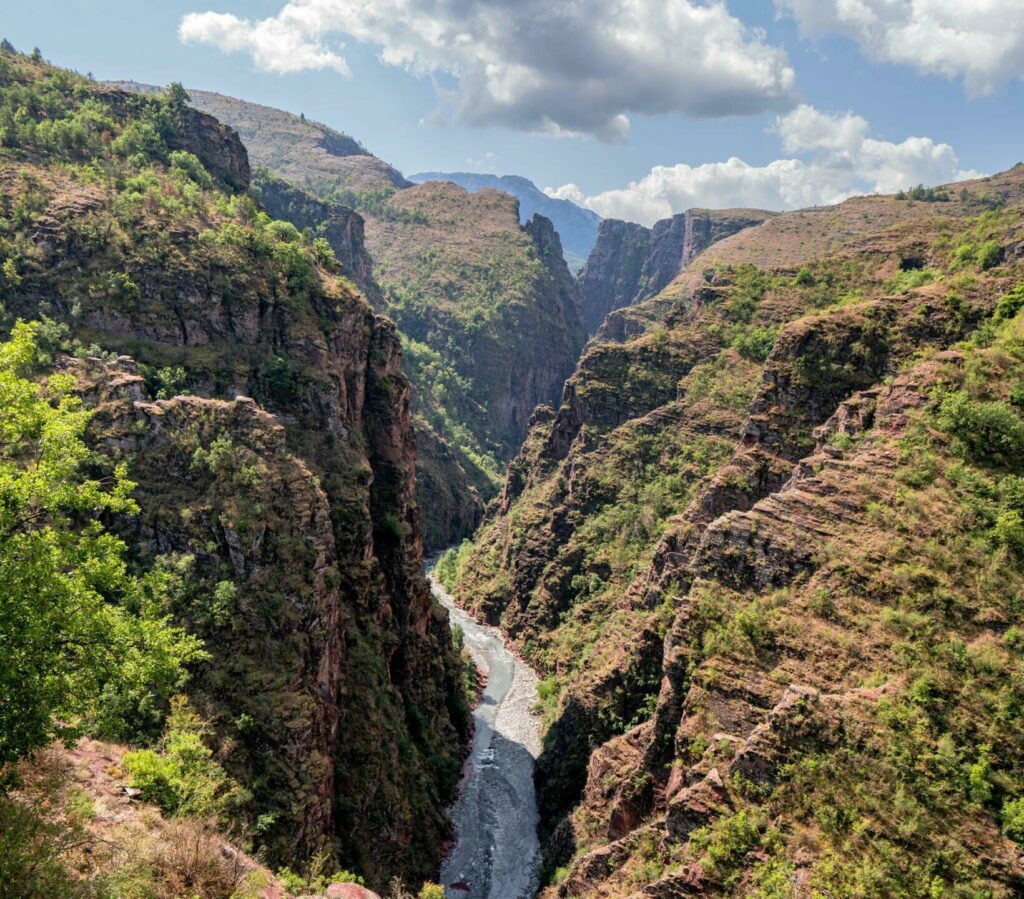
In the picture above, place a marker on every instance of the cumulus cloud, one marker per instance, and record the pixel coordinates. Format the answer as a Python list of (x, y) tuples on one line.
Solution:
[(840, 160), (276, 45), (981, 41), (554, 68)]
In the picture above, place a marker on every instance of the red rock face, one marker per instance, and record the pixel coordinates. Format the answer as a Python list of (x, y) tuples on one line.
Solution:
[(630, 263), (331, 682)]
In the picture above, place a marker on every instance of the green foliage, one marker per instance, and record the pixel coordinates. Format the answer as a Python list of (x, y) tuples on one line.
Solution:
[(755, 343), (315, 879), (1012, 817), (909, 280), (725, 842), (79, 630), (804, 278), (166, 382), (32, 853), (430, 891), (989, 255), (450, 563), (140, 138), (924, 194), (1009, 304), (990, 432), (181, 775), (191, 167)]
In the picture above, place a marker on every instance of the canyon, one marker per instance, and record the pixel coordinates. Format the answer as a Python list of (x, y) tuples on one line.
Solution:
[(697, 573)]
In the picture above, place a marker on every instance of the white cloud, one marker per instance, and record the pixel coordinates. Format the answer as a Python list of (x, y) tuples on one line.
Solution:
[(554, 68), (275, 45), (981, 41), (485, 161), (842, 161)]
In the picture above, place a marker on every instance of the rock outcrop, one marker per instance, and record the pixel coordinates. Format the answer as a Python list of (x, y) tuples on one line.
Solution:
[(340, 226), (576, 227), (630, 263)]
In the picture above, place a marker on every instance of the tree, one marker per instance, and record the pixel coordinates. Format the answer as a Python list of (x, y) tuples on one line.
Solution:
[(80, 634), (177, 96)]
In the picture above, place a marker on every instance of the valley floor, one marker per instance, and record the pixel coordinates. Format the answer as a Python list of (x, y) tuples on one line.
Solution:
[(496, 853)]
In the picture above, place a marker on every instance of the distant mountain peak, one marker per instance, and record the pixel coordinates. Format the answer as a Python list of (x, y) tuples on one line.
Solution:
[(576, 226)]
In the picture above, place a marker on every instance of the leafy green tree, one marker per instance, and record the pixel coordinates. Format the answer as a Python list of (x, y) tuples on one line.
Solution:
[(177, 96), (80, 633)]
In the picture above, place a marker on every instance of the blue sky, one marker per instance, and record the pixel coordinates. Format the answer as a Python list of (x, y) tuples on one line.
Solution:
[(680, 116)]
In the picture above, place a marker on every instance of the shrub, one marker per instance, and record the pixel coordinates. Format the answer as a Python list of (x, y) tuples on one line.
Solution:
[(431, 891), (1010, 304), (448, 566), (989, 255), (31, 848), (140, 138), (989, 432), (190, 166), (1013, 820), (182, 777), (756, 343), (284, 232)]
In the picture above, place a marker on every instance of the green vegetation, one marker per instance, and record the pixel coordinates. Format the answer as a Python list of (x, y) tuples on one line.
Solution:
[(180, 775), (123, 233), (86, 640), (451, 562), (316, 878), (924, 194)]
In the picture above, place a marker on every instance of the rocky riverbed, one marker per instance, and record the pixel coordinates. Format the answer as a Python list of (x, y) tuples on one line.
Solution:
[(496, 853)]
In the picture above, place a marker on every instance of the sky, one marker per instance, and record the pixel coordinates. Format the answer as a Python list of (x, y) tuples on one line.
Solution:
[(635, 108)]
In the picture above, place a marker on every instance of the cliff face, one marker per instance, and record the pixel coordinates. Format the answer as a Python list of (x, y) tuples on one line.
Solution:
[(576, 227), (340, 226), (487, 310), (630, 263), (709, 546), (490, 314), (265, 417)]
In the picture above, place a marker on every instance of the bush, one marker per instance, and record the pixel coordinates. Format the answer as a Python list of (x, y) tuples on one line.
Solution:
[(190, 166), (140, 138), (756, 343), (1013, 820), (182, 777), (31, 848), (989, 432), (448, 566), (989, 255), (1010, 304)]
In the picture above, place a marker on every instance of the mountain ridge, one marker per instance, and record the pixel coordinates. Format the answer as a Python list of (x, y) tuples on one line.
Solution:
[(576, 226)]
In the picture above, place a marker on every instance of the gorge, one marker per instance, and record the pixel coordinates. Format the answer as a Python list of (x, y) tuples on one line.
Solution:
[(432, 566)]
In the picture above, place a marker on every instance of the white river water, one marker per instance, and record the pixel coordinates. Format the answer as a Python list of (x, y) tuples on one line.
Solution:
[(496, 853)]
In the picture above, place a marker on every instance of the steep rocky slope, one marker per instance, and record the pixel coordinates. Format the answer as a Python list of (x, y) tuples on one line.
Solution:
[(576, 226), (259, 405), (766, 544), (458, 268), (630, 263), (305, 153), (486, 307)]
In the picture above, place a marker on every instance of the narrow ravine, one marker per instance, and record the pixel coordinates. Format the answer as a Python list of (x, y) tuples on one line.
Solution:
[(496, 853)]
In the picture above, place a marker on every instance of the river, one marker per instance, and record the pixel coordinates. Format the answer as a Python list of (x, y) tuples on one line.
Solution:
[(496, 853)]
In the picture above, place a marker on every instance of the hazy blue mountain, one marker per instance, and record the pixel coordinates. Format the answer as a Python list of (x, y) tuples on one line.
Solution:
[(576, 226)]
